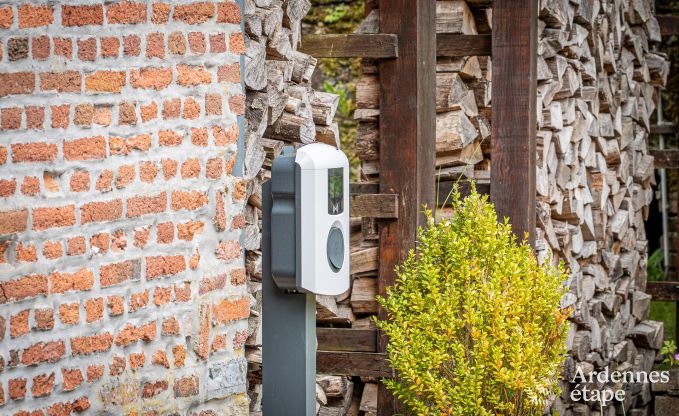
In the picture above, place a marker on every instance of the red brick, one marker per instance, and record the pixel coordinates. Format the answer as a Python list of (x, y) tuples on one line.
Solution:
[(194, 13), (137, 360), (94, 309), (186, 386), (239, 190), (126, 174), (123, 146), (165, 232), (127, 113), (213, 104), (7, 187), (164, 266), (155, 45), (228, 250), (197, 42), (141, 236), (162, 295), (186, 231), (91, 344), (110, 47), (82, 15), (17, 49), (190, 76), (44, 319), (83, 115), (151, 78), (60, 116), (87, 49), (52, 250), (194, 260), (80, 405), (3, 260), (67, 81), (176, 43), (40, 48), (131, 334), (42, 385), (237, 43), (238, 277), (116, 273), (138, 301), (160, 358), (81, 280), (105, 181), (26, 253), (44, 218), (35, 117), (94, 372), (72, 378), (142, 205), (13, 221), (105, 81), (153, 389), (161, 13), (80, 181), (191, 109), (214, 168), (16, 83), (87, 148), (50, 182), (118, 241), (126, 12), (33, 152), (63, 47), (99, 243), (3, 155), (210, 284), (17, 388), (182, 294), (190, 169), (224, 138), (132, 45), (218, 43), (102, 115), (69, 313), (218, 343), (170, 138), (229, 73), (149, 112), (148, 171), (171, 108), (199, 136), (227, 310), (18, 324), (179, 355), (35, 16), (169, 168), (75, 246), (116, 305), (237, 104), (6, 17), (189, 200), (42, 352), (228, 12)]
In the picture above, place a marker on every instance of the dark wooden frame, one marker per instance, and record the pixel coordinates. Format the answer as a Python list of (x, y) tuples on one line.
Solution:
[(513, 127)]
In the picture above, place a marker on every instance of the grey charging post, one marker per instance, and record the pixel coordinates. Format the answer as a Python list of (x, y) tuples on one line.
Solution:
[(305, 229)]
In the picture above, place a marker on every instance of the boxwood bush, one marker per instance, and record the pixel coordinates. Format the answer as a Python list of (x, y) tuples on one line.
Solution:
[(474, 322)]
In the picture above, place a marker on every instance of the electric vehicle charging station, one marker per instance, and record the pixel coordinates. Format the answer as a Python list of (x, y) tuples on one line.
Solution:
[(305, 252)]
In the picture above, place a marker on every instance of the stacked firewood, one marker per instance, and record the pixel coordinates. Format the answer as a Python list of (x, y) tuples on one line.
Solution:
[(462, 100), (598, 82), (281, 109)]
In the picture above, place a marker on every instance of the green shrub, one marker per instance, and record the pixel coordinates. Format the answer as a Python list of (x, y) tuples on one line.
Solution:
[(474, 322)]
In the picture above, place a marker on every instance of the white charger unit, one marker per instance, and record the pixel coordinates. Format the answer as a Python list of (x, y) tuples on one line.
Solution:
[(310, 220)]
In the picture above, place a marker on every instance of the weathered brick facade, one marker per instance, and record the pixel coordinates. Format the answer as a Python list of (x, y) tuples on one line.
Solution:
[(122, 284)]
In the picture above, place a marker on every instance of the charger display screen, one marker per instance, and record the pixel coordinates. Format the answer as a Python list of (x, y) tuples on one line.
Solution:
[(335, 191)]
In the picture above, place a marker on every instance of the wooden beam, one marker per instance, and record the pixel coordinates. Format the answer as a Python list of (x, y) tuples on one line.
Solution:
[(669, 25), (663, 291), (463, 45), (513, 151), (374, 205), (666, 128), (346, 339), (379, 45), (666, 158), (407, 139), (364, 188), (363, 364)]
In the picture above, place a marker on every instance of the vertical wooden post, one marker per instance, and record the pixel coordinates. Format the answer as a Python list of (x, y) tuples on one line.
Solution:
[(407, 136), (514, 92)]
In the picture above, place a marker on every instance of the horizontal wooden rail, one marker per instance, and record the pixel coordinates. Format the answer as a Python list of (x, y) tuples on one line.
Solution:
[(364, 188), (374, 205), (667, 128), (362, 364), (666, 158), (669, 25), (378, 46), (346, 339), (448, 45), (663, 291)]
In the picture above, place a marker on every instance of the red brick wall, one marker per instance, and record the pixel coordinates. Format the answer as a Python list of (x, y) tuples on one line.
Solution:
[(121, 272)]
